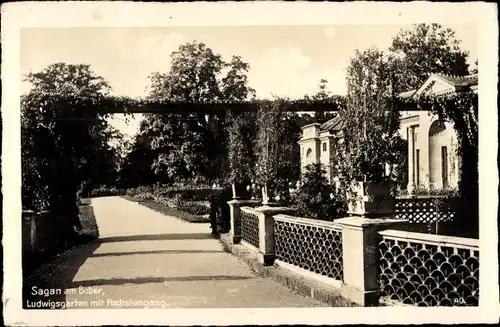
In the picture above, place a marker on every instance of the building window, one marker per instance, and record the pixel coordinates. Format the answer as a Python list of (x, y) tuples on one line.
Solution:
[(444, 166), (324, 146)]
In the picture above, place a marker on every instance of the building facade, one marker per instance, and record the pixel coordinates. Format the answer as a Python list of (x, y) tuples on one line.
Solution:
[(317, 144), (433, 162)]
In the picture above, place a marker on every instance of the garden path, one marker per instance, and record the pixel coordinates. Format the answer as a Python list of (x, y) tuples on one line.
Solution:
[(143, 255)]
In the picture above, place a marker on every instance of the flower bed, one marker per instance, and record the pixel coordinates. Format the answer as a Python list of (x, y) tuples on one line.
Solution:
[(190, 193), (195, 208), (170, 211), (107, 191), (175, 201)]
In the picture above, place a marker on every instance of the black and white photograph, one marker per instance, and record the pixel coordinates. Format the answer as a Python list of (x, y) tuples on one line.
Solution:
[(176, 163)]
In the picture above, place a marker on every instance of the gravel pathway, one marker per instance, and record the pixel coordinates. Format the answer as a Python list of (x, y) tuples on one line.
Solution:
[(146, 259)]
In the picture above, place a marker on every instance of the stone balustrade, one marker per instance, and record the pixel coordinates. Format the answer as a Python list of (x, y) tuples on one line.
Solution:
[(235, 216), (309, 244), (372, 260), (429, 270)]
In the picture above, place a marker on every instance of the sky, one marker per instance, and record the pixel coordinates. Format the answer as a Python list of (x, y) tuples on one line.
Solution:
[(286, 61)]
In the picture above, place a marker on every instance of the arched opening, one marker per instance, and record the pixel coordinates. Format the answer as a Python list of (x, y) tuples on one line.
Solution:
[(309, 157), (438, 155)]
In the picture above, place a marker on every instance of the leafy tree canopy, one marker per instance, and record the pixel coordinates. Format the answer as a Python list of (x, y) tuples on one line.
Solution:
[(189, 144), (65, 141), (423, 50), (370, 123)]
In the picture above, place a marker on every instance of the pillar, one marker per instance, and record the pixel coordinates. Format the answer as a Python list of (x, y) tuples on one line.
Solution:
[(411, 159), (235, 216), (423, 145), (360, 240)]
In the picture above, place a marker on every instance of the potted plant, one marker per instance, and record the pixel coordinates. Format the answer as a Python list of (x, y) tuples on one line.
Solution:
[(370, 125)]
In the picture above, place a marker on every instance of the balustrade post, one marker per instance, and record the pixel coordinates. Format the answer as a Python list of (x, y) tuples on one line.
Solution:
[(360, 240), (33, 233), (267, 241), (235, 213)]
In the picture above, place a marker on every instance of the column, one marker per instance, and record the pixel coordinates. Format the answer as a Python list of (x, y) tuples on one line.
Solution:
[(423, 145), (360, 241), (411, 159), (235, 214)]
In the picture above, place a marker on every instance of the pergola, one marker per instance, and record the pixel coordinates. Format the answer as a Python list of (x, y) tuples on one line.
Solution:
[(114, 105)]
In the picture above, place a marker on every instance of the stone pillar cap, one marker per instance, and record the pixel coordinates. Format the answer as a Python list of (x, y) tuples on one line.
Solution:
[(268, 209), (243, 201), (363, 221)]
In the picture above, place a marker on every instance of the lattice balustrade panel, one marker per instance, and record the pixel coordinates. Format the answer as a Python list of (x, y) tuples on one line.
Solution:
[(428, 275), (314, 248), (250, 228), (426, 210)]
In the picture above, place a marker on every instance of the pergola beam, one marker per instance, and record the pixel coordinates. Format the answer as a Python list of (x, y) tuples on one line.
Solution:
[(221, 107), (124, 105)]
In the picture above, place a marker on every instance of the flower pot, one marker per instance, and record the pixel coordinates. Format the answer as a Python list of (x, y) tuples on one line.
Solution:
[(240, 191), (370, 199), (265, 197)]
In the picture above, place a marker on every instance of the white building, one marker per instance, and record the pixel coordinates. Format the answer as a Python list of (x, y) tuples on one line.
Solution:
[(433, 161)]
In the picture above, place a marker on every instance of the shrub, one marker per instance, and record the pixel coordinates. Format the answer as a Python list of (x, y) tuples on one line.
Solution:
[(180, 198), (107, 191), (188, 193), (194, 208), (145, 196), (431, 192), (177, 200), (316, 198)]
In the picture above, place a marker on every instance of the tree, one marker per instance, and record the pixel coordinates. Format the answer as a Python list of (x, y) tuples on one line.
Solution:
[(63, 136), (241, 126), (188, 144), (234, 85), (370, 122), (424, 50), (241, 133), (475, 70), (276, 147), (321, 95), (138, 160)]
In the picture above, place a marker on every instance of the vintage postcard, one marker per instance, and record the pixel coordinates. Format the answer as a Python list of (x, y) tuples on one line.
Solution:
[(249, 163)]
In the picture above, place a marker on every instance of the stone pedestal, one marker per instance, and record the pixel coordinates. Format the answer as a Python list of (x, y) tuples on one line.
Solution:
[(235, 212), (266, 253), (369, 199), (360, 241)]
